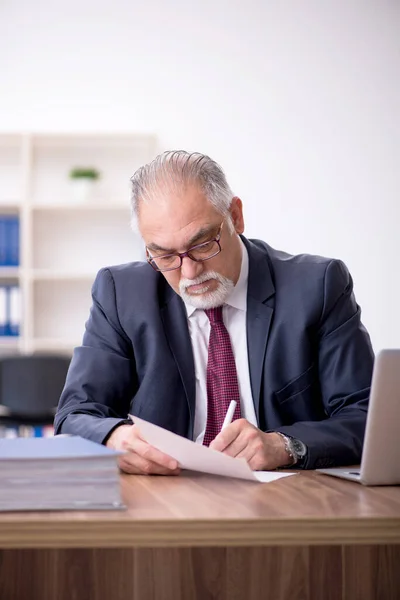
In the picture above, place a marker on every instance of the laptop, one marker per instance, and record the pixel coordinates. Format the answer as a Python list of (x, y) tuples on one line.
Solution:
[(380, 462)]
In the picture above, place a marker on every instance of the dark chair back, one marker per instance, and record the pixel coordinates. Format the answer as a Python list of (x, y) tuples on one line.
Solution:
[(30, 386)]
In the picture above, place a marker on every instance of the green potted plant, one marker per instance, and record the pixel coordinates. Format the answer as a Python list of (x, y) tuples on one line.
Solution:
[(83, 180)]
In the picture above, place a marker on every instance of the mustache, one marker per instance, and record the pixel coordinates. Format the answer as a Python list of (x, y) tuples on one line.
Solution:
[(185, 283)]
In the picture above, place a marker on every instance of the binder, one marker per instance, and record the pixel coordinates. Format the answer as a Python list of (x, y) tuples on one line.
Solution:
[(48, 431), (3, 241), (13, 241), (37, 431), (14, 310), (26, 431), (9, 240), (11, 432), (10, 310), (3, 310)]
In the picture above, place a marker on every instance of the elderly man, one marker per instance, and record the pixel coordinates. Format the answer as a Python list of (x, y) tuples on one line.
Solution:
[(214, 317)]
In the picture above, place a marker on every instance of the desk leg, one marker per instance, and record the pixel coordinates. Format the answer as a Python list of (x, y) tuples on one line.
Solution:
[(276, 573)]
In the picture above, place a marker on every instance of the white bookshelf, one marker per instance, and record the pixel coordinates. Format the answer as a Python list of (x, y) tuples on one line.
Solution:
[(63, 243)]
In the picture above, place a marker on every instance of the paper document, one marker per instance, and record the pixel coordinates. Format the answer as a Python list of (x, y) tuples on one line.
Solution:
[(196, 457)]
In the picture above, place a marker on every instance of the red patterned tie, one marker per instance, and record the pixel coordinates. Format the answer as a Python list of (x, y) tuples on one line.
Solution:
[(222, 382)]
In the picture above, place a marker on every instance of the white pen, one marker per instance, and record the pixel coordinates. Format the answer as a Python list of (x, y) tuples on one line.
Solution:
[(229, 414)]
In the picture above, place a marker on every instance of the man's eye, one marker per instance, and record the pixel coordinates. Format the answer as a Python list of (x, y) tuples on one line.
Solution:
[(166, 260), (205, 248)]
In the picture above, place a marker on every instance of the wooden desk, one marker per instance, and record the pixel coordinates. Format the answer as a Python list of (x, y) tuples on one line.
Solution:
[(307, 537)]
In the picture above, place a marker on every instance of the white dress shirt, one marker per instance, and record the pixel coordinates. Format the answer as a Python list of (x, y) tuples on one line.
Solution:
[(234, 316)]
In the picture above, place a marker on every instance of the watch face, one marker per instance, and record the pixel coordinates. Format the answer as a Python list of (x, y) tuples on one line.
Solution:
[(299, 448)]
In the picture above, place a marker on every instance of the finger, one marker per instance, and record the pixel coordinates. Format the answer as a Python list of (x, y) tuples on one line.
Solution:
[(134, 464), (148, 452), (149, 467), (238, 446), (249, 454), (229, 434), (257, 457)]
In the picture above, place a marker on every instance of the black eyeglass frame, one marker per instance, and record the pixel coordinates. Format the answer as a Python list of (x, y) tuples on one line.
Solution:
[(182, 255)]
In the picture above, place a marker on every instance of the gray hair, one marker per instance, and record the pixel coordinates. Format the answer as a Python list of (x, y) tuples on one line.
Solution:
[(174, 169)]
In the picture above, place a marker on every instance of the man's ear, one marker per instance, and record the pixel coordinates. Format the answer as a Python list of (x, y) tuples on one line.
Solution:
[(236, 211)]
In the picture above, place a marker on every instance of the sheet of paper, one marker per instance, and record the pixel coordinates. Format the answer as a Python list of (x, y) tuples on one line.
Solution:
[(196, 457)]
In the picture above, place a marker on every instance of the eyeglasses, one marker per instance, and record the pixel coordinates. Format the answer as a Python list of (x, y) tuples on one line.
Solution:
[(199, 253)]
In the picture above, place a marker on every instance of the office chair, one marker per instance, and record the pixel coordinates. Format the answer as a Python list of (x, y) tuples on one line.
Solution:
[(30, 387)]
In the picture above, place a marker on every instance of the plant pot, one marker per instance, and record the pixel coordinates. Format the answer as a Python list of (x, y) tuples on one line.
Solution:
[(82, 189)]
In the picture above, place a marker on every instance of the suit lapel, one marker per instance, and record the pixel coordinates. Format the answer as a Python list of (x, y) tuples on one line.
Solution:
[(259, 316), (174, 318)]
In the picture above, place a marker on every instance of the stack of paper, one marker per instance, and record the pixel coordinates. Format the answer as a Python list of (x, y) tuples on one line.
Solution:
[(59, 473)]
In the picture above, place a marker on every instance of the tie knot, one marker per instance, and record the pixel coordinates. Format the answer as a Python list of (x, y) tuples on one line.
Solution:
[(214, 314)]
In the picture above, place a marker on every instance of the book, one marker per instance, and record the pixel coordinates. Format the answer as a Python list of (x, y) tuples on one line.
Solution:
[(13, 430), (10, 310), (58, 473), (14, 310), (9, 240), (3, 310)]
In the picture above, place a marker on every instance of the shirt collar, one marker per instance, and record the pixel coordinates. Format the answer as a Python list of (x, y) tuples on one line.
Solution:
[(238, 296)]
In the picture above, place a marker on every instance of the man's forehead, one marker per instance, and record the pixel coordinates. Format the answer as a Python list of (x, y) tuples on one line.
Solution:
[(166, 195), (176, 218)]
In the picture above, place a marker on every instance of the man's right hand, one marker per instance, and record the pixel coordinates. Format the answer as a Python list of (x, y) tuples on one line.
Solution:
[(140, 457)]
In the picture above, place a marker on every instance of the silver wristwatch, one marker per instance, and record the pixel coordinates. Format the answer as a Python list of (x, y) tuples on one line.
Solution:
[(295, 448)]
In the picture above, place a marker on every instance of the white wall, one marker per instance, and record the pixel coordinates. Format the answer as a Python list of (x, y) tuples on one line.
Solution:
[(298, 100)]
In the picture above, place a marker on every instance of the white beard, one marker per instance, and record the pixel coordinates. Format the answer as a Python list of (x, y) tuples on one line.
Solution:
[(202, 298)]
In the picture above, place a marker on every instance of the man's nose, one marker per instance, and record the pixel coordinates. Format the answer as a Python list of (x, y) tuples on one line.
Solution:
[(190, 269)]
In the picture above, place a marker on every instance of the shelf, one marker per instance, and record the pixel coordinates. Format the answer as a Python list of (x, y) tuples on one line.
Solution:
[(61, 308), (9, 346), (9, 206), (50, 275), (92, 207), (10, 140), (54, 344), (9, 342), (10, 168), (9, 272), (80, 139), (67, 242), (116, 159), (64, 239)]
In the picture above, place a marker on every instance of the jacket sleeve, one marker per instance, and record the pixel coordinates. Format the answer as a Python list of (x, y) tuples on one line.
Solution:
[(345, 362), (101, 380)]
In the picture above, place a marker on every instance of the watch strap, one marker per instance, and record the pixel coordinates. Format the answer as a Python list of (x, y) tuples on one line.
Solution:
[(288, 449)]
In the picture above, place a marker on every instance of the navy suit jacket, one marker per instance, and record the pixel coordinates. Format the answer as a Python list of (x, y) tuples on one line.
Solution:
[(310, 358)]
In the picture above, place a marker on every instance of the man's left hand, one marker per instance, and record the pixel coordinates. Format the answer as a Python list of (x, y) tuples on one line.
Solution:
[(263, 451)]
